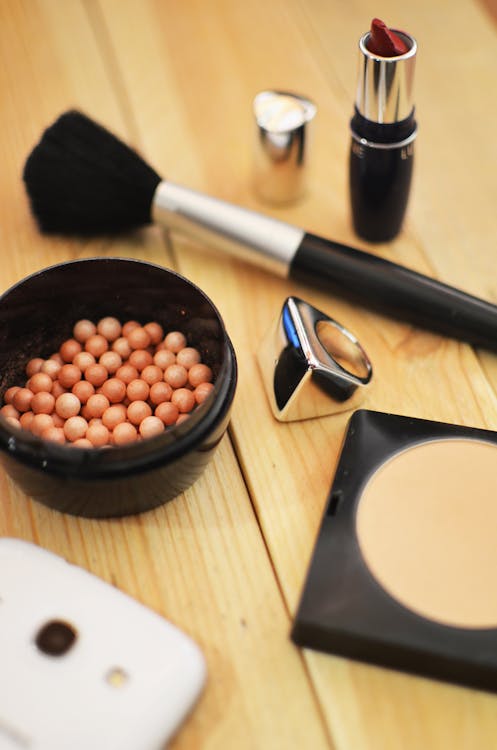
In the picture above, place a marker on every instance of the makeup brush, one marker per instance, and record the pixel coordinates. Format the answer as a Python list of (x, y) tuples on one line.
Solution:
[(82, 180)]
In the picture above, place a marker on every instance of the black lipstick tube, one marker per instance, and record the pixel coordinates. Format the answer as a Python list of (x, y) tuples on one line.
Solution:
[(382, 146)]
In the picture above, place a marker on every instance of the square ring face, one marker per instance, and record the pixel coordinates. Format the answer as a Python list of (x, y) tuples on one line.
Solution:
[(344, 609), (311, 365)]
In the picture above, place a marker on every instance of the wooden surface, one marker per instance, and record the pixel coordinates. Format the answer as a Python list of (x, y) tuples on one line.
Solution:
[(227, 560)]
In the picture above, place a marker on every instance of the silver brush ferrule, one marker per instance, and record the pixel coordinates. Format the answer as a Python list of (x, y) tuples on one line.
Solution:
[(243, 234), (385, 84)]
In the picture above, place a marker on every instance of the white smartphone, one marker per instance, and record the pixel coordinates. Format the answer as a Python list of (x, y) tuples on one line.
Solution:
[(82, 665)]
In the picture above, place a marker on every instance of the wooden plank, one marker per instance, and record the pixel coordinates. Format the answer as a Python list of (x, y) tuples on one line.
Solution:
[(201, 560), (205, 62)]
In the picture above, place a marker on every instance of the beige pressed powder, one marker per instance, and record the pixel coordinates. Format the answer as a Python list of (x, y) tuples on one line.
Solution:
[(426, 525)]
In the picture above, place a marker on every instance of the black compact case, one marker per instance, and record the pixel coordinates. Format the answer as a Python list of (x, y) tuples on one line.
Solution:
[(344, 610)]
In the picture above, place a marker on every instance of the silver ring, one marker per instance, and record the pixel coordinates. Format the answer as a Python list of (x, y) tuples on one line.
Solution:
[(311, 365), (384, 146)]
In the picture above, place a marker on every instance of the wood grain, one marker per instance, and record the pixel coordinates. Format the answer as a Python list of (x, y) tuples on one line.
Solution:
[(227, 561), (204, 65), (201, 561)]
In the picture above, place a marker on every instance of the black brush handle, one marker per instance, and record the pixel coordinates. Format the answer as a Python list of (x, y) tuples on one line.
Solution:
[(395, 290), (290, 251)]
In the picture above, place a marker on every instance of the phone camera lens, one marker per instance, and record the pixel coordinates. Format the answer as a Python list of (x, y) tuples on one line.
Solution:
[(55, 638)]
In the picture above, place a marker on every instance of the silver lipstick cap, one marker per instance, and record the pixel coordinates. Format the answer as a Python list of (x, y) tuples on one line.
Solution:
[(385, 84), (283, 122)]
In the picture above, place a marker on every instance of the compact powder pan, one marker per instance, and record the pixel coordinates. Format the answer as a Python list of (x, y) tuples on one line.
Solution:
[(404, 569), (426, 524)]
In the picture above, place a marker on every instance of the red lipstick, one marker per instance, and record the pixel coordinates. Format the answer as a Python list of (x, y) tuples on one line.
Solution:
[(383, 130), (385, 42)]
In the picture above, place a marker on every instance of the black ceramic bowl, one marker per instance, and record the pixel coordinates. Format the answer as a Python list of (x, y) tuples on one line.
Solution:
[(38, 313)]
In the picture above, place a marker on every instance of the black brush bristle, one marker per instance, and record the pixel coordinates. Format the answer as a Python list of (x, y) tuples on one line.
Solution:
[(83, 180)]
